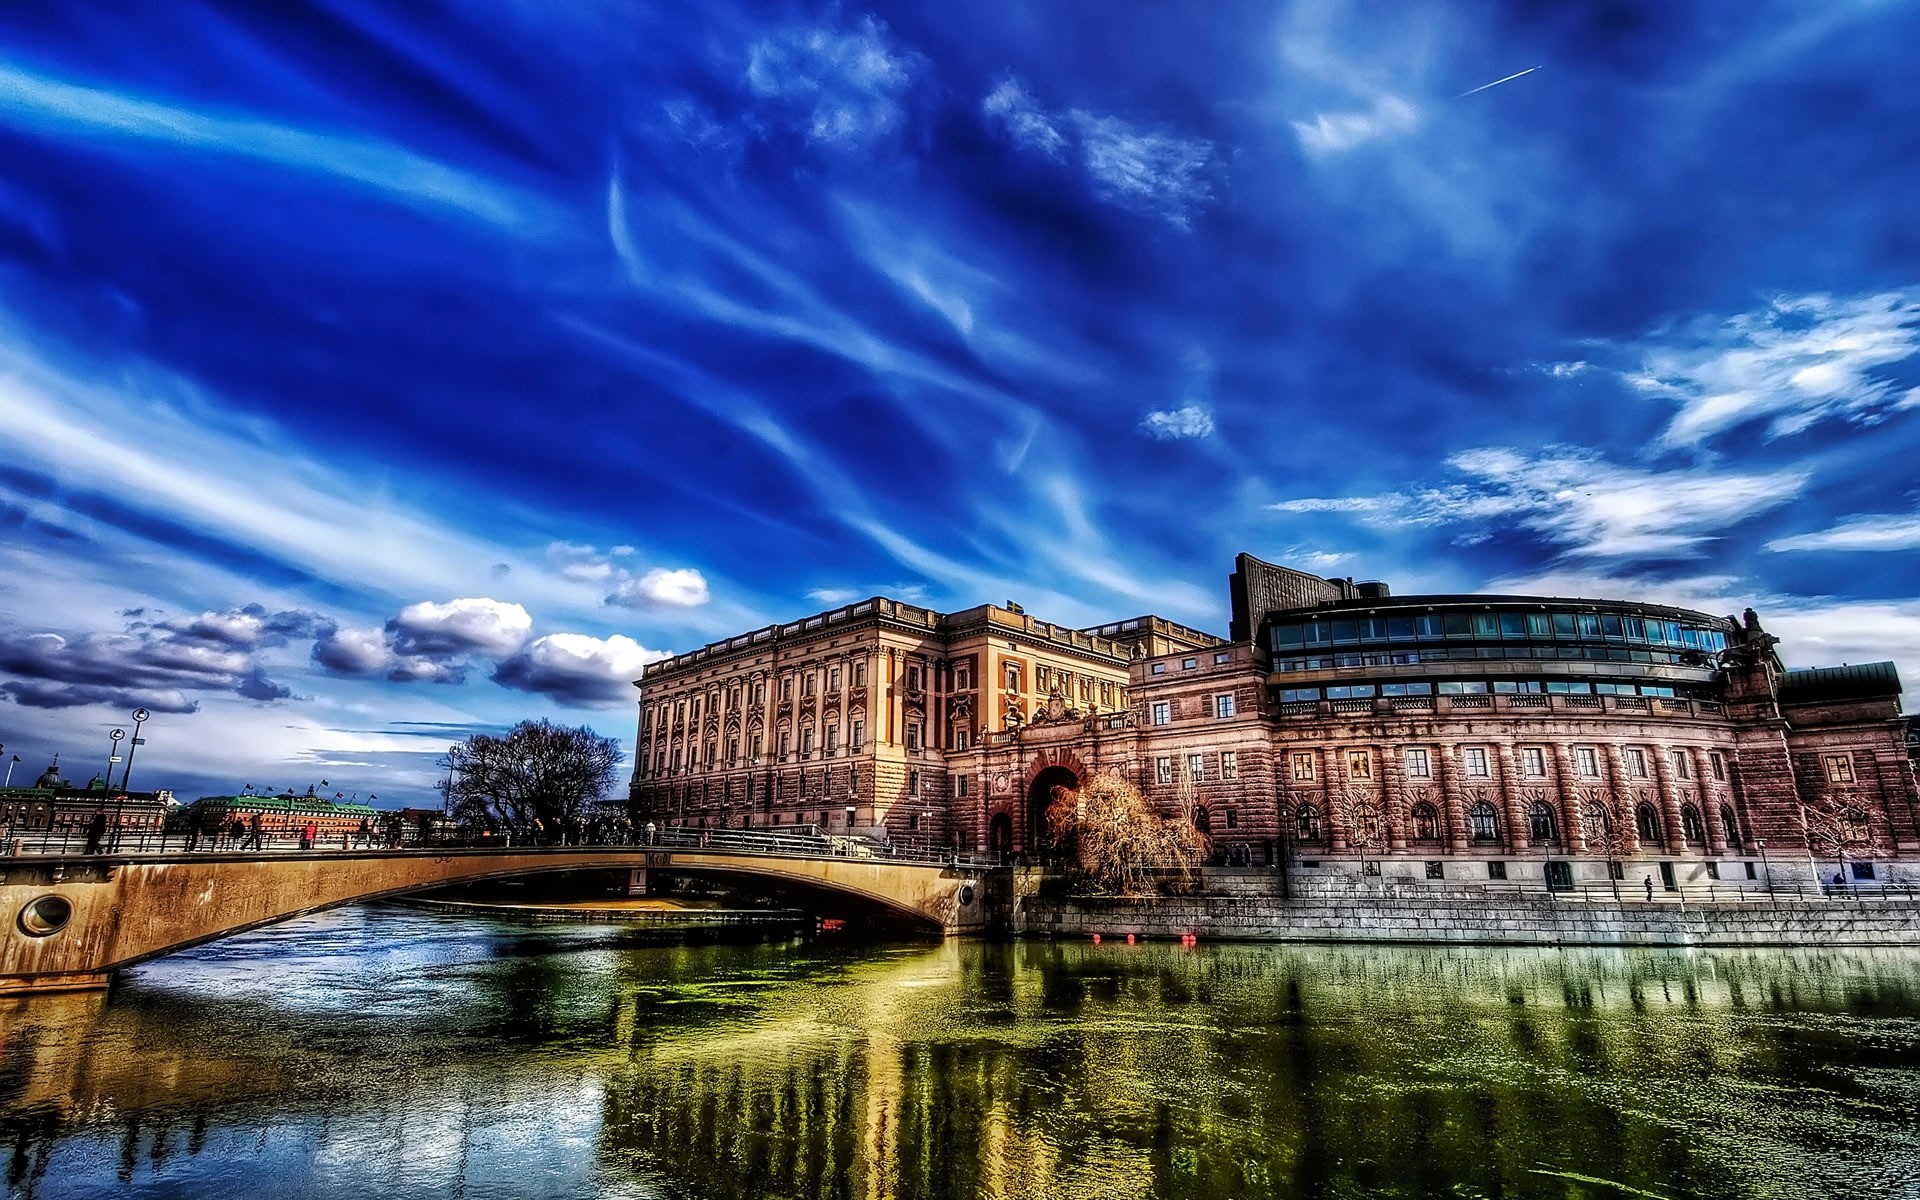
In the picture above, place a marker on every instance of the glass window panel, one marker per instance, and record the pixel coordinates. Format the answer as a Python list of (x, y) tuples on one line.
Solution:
[(1637, 628), (1563, 626), (1610, 626), (1374, 629), (1400, 629), (1346, 633), (1431, 625), (1539, 625), (1506, 688), (1319, 633), (1589, 625), (1513, 625), (1289, 637)]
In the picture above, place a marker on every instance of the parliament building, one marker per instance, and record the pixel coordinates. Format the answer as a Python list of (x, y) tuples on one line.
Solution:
[(1337, 728)]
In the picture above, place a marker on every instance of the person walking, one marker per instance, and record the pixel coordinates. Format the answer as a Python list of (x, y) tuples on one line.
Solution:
[(254, 840), (97, 833), (1648, 881), (307, 836), (365, 837), (236, 834)]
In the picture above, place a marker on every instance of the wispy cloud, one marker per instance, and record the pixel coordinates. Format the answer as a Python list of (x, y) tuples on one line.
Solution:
[(1187, 421), (1150, 171), (1587, 506), (1337, 132), (1865, 532), (56, 107), (1798, 361), (842, 88), (577, 670)]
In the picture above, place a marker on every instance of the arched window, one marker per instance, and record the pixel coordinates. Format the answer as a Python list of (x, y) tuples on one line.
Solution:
[(1203, 820), (1648, 822), (1544, 828), (1486, 822), (1426, 823), (1306, 823), (1690, 827), (1731, 826)]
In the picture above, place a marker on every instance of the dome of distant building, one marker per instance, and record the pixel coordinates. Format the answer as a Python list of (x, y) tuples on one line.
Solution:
[(50, 778)]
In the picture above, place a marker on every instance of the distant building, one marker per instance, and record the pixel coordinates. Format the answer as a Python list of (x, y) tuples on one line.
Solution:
[(53, 805), (1434, 737), (284, 815)]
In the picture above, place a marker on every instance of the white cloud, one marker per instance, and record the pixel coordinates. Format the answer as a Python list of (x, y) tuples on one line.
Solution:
[(1588, 506), (1336, 132), (833, 595), (475, 624), (44, 104), (1188, 421), (844, 89), (572, 668), (1863, 532), (1146, 170), (1799, 361), (661, 587), (354, 652)]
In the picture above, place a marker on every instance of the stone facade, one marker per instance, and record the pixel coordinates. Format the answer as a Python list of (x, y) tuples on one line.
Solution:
[(1598, 738)]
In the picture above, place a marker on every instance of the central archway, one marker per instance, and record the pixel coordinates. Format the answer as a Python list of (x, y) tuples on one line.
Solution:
[(1039, 840)]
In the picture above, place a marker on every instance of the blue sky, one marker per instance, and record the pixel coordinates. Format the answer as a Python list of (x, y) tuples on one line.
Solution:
[(370, 375)]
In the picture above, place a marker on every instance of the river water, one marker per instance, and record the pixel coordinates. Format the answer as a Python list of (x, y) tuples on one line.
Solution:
[(387, 1052)]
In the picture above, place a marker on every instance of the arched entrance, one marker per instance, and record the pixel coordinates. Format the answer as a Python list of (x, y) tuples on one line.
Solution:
[(1000, 836), (1039, 840)]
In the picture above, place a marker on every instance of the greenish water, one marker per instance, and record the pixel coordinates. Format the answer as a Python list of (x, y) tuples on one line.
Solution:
[(382, 1052)]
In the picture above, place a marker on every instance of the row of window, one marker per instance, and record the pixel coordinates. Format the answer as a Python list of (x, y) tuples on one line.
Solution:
[(1438, 654), (1476, 762), (1221, 705), (1543, 824), (1196, 768), (1470, 687), (1495, 626), (1187, 664)]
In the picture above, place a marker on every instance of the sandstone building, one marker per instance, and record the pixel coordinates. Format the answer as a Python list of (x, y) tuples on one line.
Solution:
[(1341, 728)]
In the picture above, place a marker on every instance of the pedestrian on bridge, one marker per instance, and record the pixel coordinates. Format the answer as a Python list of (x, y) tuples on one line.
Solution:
[(96, 833), (307, 836), (236, 834), (254, 841)]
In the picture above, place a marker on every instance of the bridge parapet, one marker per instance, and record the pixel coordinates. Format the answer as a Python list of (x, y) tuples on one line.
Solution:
[(72, 921)]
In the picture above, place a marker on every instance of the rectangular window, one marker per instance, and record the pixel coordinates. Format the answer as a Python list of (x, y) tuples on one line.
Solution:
[(1196, 767), (786, 688), (913, 738), (913, 679), (1159, 668), (806, 740), (1839, 768), (1013, 677), (1303, 767), (913, 822), (1163, 770), (963, 678), (833, 680), (1188, 664), (860, 674), (1162, 713), (1229, 764), (1718, 765), (1586, 762), (1533, 761), (1475, 759), (961, 739), (786, 743), (1713, 870), (833, 739), (1636, 763), (753, 746), (1220, 659), (857, 738), (1418, 765), (1359, 764), (1496, 870), (759, 693), (913, 782), (960, 786), (806, 684), (1233, 819), (1223, 705), (1682, 765), (1436, 870), (1862, 870)]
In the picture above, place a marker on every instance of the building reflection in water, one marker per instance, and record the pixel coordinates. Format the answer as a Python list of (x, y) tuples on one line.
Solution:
[(536, 1063)]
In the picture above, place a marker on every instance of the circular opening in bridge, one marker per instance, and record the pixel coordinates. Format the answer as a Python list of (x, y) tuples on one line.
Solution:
[(45, 915)]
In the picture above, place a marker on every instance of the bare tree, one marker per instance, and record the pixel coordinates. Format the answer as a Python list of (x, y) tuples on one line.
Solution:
[(538, 771), (1604, 822), (1366, 826), (1836, 828), (1116, 842)]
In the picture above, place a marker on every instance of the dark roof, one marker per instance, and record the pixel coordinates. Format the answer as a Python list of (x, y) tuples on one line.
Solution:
[(1861, 681)]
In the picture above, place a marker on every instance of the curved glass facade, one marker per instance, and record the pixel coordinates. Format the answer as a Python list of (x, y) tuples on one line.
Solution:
[(1563, 632)]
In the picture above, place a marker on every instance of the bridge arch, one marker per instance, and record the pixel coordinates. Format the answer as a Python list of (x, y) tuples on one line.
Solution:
[(125, 911)]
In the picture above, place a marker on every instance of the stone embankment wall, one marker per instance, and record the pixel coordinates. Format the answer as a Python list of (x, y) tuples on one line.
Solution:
[(1253, 910)]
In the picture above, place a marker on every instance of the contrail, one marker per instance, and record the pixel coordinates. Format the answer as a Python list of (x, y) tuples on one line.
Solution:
[(1496, 83)]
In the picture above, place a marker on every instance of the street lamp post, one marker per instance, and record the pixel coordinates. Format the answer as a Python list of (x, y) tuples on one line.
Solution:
[(140, 716), (1766, 868)]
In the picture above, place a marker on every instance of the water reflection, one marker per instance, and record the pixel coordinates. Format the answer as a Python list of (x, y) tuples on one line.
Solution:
[(381, 1052)]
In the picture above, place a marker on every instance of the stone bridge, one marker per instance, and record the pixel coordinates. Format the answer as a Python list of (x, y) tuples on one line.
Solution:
[(72, 921)]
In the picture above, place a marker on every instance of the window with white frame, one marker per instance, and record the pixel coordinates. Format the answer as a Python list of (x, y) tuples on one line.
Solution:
[(1419, 766), (1717, 764), (1636, 762), (1359, 764), (1586, 762), (1839, 768), (857, 738), (961, 786), (1196, 767), (1162, 712), (1223, 705), (1682, 765), (1474, 760), (913, 738), (1163, 769), (1533, 761), (1302, 766), (1220, 658), (1229, 764)]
